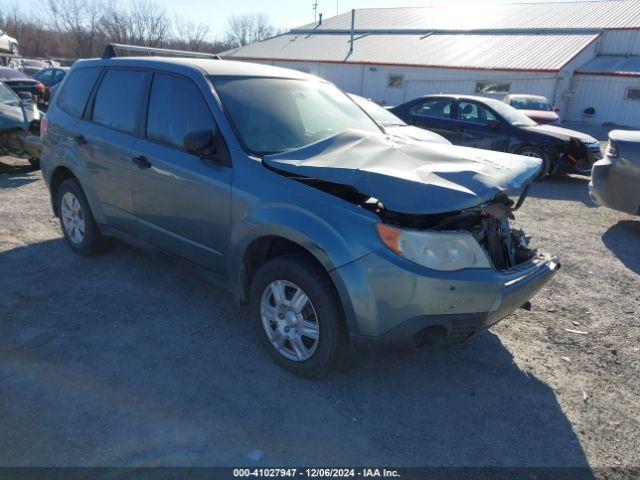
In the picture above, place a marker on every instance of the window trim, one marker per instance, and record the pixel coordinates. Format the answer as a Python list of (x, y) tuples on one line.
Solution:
[(626, 94), (92, 99), (402, 81), (497, 82)]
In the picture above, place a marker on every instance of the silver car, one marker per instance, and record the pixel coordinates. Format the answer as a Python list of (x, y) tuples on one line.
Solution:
[(615, 180)]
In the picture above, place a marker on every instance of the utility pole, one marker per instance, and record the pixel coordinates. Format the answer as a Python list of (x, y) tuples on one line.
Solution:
[(315, 10)]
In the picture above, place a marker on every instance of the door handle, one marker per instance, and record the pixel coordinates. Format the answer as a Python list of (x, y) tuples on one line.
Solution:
[(142, 161), (80, 140)]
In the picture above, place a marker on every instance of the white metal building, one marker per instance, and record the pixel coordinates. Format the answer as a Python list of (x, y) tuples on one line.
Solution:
[(584, 55)]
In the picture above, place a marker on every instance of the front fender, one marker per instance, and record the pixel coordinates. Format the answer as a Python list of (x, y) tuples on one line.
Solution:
[(348, 237)]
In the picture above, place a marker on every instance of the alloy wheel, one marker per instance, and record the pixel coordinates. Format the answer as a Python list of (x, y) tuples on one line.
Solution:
[(72, 218), (289, 320)]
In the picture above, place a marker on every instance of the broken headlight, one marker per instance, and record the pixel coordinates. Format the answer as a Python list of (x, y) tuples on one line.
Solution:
[(444, 251)]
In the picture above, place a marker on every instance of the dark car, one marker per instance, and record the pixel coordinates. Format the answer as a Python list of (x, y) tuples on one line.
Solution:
[(536, 107), (21, 82), (50, 77), (493, 125)]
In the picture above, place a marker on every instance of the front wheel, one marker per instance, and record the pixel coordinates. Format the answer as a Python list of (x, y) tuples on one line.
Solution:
[(535, 152), (297, 315)]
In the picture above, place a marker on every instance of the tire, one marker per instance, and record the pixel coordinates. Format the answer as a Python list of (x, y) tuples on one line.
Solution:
[(298, 271), (35, 162), (535, 152), (76, 220)]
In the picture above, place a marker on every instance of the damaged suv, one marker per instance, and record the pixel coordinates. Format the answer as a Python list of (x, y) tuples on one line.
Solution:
[(334, 233)]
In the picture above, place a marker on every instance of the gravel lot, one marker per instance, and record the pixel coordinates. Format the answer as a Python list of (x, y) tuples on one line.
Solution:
[(129, 359)]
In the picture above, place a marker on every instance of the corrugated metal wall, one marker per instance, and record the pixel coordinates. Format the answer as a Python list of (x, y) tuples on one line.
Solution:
[(620, 42), (373, 81), (607, 96)]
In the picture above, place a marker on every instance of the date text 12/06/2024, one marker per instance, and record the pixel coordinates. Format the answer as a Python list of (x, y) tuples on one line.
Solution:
[(316, 473)]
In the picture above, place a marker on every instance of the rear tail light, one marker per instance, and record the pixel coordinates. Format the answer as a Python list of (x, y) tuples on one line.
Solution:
[(40, 87), (44, 123), (612, 150)]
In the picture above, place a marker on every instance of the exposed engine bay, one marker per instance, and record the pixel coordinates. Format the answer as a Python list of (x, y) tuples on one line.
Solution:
[(489, 222)]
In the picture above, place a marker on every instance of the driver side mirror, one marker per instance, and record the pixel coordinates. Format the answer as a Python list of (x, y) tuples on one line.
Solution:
[(493, 124), (200, 143)]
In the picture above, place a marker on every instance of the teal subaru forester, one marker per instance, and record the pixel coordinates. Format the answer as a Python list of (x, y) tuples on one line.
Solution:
[(337, 234)]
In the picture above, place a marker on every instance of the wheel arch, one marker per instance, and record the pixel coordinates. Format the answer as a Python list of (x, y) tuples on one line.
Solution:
[(58, 176)]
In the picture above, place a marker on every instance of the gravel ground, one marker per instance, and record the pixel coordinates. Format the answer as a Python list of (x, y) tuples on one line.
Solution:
[(129, 359)]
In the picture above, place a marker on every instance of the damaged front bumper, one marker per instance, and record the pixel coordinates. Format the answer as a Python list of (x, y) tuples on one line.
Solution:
[(397, 305)]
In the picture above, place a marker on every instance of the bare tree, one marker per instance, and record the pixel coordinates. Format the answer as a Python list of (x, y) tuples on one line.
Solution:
[(248, 28), (116, 23), (151, 24), (190, 35), (79, 20), (68, 29)]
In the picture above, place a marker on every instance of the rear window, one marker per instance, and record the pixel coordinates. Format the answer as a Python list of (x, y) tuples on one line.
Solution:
[(117, 99), (75, 91)]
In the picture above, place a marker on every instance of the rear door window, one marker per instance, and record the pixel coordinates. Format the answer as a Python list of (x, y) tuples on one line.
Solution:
[(176, 107), (75, 91), (439, 108), (117, 99)]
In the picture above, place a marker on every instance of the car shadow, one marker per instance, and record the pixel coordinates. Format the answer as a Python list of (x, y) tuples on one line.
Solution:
[(12, 175), (574, 188), (124, 359), (616, 239)]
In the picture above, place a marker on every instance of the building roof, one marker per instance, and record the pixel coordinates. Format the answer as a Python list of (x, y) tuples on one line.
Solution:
[(612, 66), (518, 52), (580, 15)]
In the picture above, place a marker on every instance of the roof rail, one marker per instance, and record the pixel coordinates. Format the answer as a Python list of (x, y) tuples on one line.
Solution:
[(111, 51)]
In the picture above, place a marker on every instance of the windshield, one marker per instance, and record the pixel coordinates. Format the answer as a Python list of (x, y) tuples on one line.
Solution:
[(380, 114), (510, 114), (6, 95), (273, 115), (531, 103)]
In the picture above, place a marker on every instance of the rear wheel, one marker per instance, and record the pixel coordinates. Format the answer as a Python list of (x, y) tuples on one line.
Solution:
[(78, 225), (297, 315), (535, 152)]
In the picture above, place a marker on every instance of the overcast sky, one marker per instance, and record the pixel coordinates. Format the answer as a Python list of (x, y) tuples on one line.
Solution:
[(286, 13)]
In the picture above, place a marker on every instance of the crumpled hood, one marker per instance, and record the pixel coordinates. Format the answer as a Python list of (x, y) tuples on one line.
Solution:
[(563, 133), (407, 176)]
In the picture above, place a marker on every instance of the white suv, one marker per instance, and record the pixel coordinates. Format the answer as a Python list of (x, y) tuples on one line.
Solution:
[(8, 44)]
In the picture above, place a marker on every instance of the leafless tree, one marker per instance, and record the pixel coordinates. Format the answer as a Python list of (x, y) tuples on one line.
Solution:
[(190, 35), (79, 20), (248, 28), (69, 29)]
